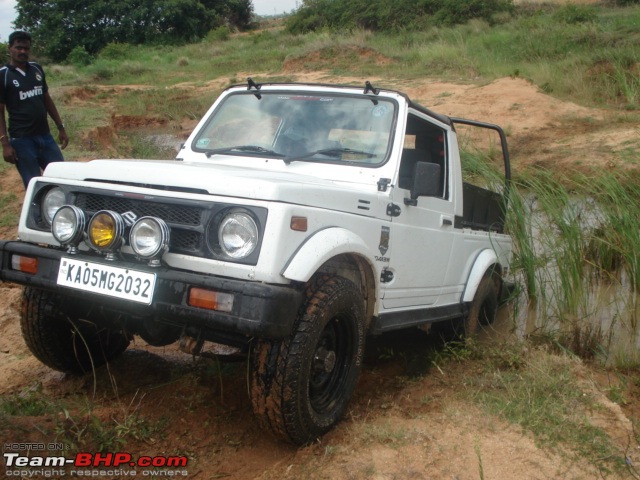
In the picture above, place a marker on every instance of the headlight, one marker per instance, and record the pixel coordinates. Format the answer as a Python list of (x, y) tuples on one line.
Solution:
[(68, 225), (149, 237), (238, 235), (51, 202), (106, 230)]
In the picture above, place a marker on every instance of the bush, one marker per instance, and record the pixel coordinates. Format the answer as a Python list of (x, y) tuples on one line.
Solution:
[(573, 14), (79, 57), (396, 15), (220, 34), (115, 51), (453, 12)]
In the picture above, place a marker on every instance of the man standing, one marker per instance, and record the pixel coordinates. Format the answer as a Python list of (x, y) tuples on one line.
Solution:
[(27, 143)]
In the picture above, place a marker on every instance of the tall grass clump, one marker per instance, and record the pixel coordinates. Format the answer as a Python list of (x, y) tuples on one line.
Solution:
[(519, 225), (615, 249), (570, 220), (548, 232), (573, 238)]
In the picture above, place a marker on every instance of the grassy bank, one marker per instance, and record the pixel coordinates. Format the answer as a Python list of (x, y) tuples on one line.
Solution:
[(588, 54)]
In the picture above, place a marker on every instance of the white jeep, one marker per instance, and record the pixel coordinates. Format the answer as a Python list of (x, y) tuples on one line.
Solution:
[(295, 221)]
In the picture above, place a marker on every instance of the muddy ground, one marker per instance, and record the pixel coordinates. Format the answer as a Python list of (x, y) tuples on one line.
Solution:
[(408, 420)]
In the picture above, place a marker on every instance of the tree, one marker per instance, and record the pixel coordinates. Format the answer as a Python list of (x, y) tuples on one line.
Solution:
[(237, 13), (59, 26)]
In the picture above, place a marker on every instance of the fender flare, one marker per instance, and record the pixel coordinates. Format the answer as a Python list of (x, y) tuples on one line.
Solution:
[(485, 259), (320, 247)]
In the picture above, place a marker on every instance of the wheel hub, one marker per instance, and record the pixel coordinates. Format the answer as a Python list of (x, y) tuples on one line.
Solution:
[(324, 360)]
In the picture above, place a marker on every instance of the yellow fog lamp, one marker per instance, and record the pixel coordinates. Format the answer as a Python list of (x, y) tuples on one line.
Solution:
[(106, 232), (68, 226), (149, 238)]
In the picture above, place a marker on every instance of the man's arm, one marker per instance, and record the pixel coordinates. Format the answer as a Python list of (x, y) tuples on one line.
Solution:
[(63, 139), (8, 153)]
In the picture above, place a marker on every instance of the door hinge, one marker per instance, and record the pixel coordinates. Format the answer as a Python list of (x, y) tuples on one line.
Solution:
[(386, 276), (383, 183), (393, 210)]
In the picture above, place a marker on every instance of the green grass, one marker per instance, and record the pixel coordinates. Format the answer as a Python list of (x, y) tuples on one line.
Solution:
[(31, 402), (76, 425), (4, 166), (8, 206), (173, 105), (542, 393), (82, 432)]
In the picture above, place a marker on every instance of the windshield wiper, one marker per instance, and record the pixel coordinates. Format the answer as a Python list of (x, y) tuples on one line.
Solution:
[(334, 152), (244, 148)]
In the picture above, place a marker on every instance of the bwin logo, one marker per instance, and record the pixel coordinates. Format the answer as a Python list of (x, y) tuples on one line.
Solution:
[(31, 93)]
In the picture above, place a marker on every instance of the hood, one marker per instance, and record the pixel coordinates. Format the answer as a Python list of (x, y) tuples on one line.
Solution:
[(222, 180)]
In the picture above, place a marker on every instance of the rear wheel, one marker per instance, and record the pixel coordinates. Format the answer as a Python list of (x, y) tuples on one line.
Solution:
[(484, 306), (301, 386), (63, 342)]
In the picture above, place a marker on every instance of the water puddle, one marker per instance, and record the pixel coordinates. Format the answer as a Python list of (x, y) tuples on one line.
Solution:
[(572, 293)]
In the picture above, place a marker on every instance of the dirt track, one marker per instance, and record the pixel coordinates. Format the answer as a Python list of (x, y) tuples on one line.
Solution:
[(400, 425)]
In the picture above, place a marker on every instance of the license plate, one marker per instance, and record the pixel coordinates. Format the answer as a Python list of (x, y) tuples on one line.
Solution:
[(107, 280)]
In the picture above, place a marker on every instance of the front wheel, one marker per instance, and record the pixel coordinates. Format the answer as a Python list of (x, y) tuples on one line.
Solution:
[(63, 342), (301, 386)]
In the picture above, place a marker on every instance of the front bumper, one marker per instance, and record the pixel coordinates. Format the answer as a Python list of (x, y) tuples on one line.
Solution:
[(259, 310)]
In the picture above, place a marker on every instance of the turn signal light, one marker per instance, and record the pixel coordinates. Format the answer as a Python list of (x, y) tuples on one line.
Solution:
[(24, 264), (211, 300), (299, 224)]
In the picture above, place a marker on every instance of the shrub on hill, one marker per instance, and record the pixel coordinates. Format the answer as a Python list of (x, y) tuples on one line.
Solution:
[(396, 15)]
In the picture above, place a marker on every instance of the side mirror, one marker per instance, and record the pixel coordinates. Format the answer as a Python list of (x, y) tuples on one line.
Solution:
[(426, 182)]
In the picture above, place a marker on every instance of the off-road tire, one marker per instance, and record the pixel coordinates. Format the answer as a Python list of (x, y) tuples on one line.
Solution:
[(301, 386), (67, 344), (484, 306)]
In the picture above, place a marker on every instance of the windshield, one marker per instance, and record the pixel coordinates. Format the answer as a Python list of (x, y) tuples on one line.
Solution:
[(300, 127)]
